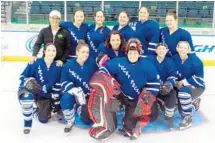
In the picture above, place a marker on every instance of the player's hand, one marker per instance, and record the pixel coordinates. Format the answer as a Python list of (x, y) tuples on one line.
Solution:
[(59, 63), (33, 59), (179, 84)]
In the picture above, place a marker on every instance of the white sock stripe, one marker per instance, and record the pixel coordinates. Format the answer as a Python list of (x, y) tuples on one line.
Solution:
[(183, 94), (185, 101), (186, 107)]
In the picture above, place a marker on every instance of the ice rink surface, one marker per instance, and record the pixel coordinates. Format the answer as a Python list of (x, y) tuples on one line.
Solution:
[(11, 122)]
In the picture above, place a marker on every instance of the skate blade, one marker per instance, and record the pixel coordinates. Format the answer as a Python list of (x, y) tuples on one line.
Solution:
[(183, 128)]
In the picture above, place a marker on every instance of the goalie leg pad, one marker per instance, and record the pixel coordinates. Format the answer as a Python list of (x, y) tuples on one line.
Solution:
[(102, 114)]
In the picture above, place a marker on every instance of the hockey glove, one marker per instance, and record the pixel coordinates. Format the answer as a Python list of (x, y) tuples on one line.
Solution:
[(32, 86), (55, 102), (166, 88), (102, 59), (79, 95)]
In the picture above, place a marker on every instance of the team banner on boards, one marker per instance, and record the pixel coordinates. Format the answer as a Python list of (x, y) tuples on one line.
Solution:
[(18, 46)]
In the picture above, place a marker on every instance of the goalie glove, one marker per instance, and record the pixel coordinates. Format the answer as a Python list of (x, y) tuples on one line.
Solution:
[(166, 88), (79, 95), (102, 59), (144, 104), (32, 86)]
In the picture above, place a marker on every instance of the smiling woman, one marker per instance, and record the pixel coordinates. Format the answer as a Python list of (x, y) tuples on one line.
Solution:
[(53, 34)]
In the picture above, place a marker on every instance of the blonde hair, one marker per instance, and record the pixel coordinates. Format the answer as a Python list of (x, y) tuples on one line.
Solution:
[(185, 42), (81, 44)]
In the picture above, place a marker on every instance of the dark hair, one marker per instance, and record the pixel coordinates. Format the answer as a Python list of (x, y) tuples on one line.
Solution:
[(121, 46), (126, 12), (99, 11), (76, 10), (102, 30), (172, 13), (161, 44), (145, 8), (45, 47), (81, 44)]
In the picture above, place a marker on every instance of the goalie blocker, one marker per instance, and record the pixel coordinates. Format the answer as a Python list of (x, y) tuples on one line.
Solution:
[(104, 102)]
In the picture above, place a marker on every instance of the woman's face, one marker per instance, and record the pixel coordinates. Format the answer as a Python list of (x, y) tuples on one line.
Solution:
[(161, 51), (143, 14), (83, 53), (171, 22), (183, 49), (50, 52), (123, 19), (79, 17), (133, 56), (115, 41), (54, 21), (99, 18)]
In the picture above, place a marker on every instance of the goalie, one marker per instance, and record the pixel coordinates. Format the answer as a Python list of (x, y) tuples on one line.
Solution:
[(39, 85), (139, 85)]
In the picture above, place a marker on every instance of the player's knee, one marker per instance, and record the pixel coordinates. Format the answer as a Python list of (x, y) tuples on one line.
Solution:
[(43, 121), (27, 96), (184, 89), (67, 101), (26, 100), (84, 115), (154, 112)]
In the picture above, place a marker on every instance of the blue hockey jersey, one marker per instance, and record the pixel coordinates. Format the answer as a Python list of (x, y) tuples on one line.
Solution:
[(192, 70), (166, 69), (133, 77), (75, 75), (148, 33), (173, 39), (95, 38), (127, 32), (49, 79), (76, 34)]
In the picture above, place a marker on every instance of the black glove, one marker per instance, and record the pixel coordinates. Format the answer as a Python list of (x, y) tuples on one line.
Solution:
[(32, 86), (55, 102), (166, 88)]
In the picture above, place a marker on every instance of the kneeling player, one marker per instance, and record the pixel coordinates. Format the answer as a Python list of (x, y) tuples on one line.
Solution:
[(39, 85), (190, 82), (75, 77), (168, 76), (139, 83)]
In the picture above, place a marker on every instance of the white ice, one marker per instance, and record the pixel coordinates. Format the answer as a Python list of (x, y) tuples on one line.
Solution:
[(11, 122)]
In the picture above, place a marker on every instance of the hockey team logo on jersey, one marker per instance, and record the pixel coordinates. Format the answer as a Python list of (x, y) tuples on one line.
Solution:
[(60, 36), (30, 43)]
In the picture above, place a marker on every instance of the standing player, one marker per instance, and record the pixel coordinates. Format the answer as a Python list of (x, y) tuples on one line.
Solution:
[(168, 77), (56, 35), (123, 27), (97, 33), (139, 83), (77, 30), (190, 82), (75, 77), (172, 34), (40, 84), (147, 31), (113, 47)]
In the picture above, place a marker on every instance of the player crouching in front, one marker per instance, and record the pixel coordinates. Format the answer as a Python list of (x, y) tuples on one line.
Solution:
[(139, 85), (39, 86), (190, 82), (168, 77)]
